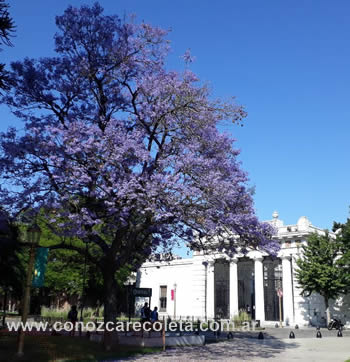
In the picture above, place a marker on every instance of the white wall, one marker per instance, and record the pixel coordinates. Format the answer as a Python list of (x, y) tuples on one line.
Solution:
[(185, 274)]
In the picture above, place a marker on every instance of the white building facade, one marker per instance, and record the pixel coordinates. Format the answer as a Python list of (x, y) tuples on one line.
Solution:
[(216, 286)]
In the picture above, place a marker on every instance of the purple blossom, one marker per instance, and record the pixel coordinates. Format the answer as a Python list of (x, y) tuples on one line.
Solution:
[(187, 57), (126, 153)]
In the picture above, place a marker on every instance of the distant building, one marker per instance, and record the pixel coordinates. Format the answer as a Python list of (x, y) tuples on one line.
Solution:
[(214, 285)]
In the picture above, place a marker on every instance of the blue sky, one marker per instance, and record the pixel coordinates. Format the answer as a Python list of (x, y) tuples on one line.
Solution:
[(287, 62)]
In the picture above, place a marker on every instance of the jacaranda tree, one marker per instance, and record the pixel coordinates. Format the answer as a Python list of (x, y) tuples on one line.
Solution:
[(124, 153)]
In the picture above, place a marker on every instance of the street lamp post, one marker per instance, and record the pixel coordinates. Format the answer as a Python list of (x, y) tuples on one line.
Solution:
[(33, 236)]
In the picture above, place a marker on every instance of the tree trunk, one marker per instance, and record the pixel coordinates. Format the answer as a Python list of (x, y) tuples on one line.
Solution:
[(110, 308), (328, 313), (4, 308)]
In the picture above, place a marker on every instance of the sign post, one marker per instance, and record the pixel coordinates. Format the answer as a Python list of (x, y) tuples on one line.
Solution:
[(280, 294)]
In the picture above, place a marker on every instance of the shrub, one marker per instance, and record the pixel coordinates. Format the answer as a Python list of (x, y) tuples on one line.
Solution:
[(241, 317)]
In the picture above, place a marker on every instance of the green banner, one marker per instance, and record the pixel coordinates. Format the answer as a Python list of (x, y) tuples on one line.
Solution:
[(40, 267)]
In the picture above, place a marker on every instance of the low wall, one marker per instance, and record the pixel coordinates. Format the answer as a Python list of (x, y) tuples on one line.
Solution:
[(172, 341)]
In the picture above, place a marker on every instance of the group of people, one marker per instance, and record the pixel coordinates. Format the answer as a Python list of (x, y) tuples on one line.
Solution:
[(147, 315)]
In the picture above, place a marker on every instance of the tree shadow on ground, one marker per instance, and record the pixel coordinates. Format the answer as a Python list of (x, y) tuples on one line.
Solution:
[(237, 348), (43, 348)]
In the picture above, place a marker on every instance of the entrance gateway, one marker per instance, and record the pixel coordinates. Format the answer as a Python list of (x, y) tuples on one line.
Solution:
[(272, 269), (207, 285)]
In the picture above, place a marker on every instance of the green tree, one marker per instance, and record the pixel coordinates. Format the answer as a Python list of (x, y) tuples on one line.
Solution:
[(342, 231), (64, 274), (65, 268), (64, 271), (64, 278), (320, 268)]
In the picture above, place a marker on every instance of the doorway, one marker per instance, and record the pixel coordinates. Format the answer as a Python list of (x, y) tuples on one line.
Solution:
[(246, 289), (272, 282), (222, 288)]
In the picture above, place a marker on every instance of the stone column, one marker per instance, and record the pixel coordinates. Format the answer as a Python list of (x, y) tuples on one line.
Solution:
[(198, 288), (287, 291), (259, 289), (210, 290), (233, 288)]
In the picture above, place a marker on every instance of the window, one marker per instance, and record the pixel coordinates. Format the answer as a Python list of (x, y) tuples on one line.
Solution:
[(162, 298)]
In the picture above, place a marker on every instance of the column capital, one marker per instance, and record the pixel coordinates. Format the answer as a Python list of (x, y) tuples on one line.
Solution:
[(258, 258), (210, 262), (286, 257), (256, 255), (233, 260)]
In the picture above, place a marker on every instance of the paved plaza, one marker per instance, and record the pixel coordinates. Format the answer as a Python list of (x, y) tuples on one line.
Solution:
[(326, 349)]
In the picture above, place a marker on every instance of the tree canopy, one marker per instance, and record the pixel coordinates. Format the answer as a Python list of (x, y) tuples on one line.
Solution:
[(66, 270), (126, 153), (343, 236), (320, 268)]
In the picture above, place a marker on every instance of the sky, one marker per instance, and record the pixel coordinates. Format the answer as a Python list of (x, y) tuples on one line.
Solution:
[(287, 62)]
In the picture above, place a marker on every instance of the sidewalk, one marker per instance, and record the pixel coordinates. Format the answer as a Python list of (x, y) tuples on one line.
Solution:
[(305, 349)]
